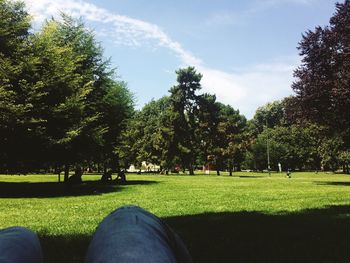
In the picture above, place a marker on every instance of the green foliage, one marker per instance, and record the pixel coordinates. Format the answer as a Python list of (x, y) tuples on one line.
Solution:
[(330, 153), (295, 147), (60, 102), (208, 130), (186, 130), (233, 136), (144, 137), (272, 114), (16, 96), (184, 101), (14, 28), (322, 86), (63, 93)]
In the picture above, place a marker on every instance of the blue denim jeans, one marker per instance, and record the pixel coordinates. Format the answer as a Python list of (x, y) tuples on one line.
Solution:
[(128, 234), (19, 245), (131, 234)]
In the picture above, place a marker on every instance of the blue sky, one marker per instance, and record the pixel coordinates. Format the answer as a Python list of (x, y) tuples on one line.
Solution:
[(246, 50)]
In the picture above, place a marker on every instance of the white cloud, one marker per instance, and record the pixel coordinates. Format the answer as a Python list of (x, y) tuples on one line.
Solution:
[(125, 30), (251, 87), (245, 89)]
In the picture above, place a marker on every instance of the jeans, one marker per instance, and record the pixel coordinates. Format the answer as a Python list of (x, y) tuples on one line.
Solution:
[(128, 234), (19, 245)]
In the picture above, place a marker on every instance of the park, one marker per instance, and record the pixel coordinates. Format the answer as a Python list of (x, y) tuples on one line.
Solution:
[(250, 217), (272, 185)]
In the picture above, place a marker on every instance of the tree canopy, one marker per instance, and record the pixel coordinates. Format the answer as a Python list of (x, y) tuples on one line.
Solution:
[(322, 83), (61, 104)]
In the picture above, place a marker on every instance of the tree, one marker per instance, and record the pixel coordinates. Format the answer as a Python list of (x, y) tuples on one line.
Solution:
[(221, 134), (63, 92), (331, 154), (184, 101), (61, 104), (323, 79), (232, 136), (344, 159), (295, 147), (108, 104), (15, 92), (117, 110), (273, 114), (210, 152), (145, 133), (14, 29)]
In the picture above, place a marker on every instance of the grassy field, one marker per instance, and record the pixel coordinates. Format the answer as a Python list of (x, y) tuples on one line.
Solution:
[(245, 218)]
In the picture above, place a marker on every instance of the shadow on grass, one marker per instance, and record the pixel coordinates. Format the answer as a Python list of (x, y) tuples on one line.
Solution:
[(64, 248), (252, 176), (320, 235), (139, 182), (54, 189), (334, 183)]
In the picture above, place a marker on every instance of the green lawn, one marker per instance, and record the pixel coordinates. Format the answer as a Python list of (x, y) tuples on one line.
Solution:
[(245, 218)]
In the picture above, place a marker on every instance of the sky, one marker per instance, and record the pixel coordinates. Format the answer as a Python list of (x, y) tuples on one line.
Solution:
[(246, 50)]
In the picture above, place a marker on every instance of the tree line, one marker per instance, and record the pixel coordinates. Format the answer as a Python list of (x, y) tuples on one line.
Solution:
[(307, 131), (62, 107), (61, 104), (186, 130)]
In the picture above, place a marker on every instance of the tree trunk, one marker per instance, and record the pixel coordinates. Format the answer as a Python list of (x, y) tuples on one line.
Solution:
[(76, 177), (58, 172), (190, 169), (104, 169), (217, 165), (230, 168), (78, 172), (66, 173)]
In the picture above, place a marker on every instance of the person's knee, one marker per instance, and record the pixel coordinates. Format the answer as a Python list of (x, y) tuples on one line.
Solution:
[(19, 244), (132, 233)]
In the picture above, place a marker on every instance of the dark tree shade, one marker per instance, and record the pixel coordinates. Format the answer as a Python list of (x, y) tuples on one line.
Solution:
[(15, 59)]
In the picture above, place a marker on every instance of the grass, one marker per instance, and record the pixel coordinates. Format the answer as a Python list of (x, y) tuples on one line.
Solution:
[(245, 218)]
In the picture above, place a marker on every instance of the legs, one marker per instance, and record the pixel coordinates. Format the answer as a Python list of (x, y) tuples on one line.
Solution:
[(131, 234), (19, 245)]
